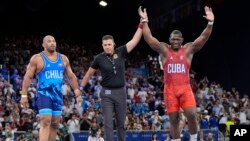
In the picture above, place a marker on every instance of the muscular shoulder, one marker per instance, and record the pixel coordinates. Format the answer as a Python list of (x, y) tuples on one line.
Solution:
[(35, 58), (162, 48), (36, 63), (163, 44), (64, 58), (188, 47)]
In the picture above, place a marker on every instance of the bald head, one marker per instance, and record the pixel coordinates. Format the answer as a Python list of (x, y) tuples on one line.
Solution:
[(47, 37), (49, 43)]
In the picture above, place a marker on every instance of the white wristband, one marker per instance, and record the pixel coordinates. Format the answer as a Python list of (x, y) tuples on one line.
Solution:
[(24, 96), (210, 23), (144, 20)]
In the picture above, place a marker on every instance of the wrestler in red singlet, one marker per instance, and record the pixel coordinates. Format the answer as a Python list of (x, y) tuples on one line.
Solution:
[(176, 58), (177, 89)]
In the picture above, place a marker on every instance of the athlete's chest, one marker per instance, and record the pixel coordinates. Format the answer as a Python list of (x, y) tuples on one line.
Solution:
[(177, 57)]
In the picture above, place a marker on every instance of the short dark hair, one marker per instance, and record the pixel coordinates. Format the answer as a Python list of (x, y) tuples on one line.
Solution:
[(106, 37), (176, 32)]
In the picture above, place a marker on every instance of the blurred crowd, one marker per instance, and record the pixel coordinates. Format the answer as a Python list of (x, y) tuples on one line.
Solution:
[(217, 108)]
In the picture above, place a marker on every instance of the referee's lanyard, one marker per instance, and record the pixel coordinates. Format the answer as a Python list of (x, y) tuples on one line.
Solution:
[(112, 61)]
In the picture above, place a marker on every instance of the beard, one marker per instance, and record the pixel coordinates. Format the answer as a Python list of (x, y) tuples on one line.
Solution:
[(51, 50), (176, 48)]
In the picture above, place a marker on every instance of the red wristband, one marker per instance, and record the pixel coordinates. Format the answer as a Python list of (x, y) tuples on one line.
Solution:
[(140, 26)]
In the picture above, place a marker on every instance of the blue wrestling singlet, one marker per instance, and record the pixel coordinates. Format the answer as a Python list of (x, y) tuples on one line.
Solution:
[(49, 94)]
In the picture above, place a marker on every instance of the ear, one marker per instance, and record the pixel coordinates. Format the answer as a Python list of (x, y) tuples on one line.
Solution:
[(182, 39)]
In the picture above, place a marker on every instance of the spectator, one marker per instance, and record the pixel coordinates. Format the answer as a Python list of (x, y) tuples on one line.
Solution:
[(73, 124), (95, 135), (154, 137)]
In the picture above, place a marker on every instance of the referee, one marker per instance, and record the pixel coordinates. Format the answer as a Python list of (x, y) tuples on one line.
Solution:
[(111, 64)]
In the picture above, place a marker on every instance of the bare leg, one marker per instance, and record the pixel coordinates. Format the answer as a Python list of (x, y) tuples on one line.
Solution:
[(174, 121), (191, 115), (54, 127), (44, 132)]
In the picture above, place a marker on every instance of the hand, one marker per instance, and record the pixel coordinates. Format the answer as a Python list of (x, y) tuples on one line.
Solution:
[(24, 101), (79, 101), (209, 14), (143, 13), (78, 95)]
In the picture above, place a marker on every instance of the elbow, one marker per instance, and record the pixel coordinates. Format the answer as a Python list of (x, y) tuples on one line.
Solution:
[(72, 77)]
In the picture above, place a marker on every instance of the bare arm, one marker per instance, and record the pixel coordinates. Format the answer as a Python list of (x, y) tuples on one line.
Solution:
[(87, 76), (135, 40), (202, 39), (69, 73), (30, 72), (148, 37)]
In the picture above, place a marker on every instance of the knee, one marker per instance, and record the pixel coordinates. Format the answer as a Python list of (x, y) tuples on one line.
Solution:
[(45, 122), (192, 117), (175, 122), (55, 125)]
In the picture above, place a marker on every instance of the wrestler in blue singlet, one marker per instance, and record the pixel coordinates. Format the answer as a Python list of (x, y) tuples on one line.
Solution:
[(50, 78)]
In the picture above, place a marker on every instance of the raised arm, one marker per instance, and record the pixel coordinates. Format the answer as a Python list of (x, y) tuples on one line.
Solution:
[(151, 41), (202, 39), (135, 40), (30, 72)]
